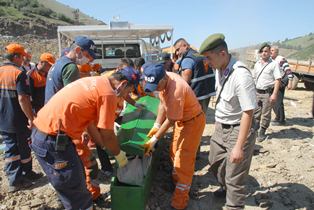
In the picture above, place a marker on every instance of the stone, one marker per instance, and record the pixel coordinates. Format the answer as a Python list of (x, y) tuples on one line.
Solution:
[(36, 202)]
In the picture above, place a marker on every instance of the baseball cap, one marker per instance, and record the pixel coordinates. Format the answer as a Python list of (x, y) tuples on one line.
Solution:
[(211, 42), (48, 57), (86, 44), (15, 48), (131, 74), (153, 73)]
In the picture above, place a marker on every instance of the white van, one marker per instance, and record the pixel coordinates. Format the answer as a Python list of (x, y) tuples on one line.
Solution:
[(119, 40)]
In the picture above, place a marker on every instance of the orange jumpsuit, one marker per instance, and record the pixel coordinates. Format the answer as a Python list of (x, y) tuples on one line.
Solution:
[(90, 98), (182, 106)]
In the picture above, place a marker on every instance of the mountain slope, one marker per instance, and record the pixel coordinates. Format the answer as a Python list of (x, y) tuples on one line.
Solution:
[(69, 12)]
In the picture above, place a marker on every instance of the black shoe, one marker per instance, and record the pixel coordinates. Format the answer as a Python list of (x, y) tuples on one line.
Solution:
[(220, 193), (21, 185), (261, 135), (33, 176), (101, 202), (278, 123)]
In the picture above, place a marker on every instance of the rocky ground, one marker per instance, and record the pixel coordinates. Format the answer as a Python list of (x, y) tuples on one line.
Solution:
[(281, 175)]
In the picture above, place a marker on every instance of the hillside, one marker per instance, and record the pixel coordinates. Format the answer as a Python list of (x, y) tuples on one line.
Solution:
[(302, 48), (38, 17), (299, 48), (69, 12)]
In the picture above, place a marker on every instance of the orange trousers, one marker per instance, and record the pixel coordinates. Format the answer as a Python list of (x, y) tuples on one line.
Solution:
[(185, 143), (90, 166)]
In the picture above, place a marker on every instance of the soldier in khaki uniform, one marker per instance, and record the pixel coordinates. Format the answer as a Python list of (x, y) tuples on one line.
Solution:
[(232, 143), (267, 76)]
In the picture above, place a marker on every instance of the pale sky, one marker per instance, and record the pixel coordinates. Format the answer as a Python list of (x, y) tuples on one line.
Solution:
[(243, 22)]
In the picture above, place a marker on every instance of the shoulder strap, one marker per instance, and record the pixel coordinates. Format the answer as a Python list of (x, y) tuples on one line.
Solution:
[(261, 72), (225, 81)]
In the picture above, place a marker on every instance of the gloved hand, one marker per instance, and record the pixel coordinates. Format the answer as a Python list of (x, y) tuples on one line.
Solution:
[(139, 106), (149, 146), (154, 130), (121, 159)]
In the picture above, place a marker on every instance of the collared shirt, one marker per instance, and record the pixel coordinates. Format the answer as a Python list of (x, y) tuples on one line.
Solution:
[(267, 78), (238, 94)]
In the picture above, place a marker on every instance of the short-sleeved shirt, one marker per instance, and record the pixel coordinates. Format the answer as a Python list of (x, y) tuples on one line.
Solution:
[(75, 106), (13, 82), (284, 66), (238, 94), (179, 99), (269, 75), (187, 63)]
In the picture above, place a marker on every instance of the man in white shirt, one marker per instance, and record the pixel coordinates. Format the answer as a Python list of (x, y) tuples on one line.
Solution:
[(267, 77), (233, 141)]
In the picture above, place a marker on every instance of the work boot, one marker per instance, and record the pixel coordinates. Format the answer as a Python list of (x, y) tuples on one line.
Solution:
[(278, 123), (21, 185), (261, 135), (101, 202), (220, 193), (33, 176)]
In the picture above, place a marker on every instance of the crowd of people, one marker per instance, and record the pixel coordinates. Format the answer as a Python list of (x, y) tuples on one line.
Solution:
[(63, 108)]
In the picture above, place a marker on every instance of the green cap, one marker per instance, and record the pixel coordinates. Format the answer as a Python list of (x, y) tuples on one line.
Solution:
[(212, 42), (265, 44)]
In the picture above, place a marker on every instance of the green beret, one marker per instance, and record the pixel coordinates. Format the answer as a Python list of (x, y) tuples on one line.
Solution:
[(211, 42), (265, 44)]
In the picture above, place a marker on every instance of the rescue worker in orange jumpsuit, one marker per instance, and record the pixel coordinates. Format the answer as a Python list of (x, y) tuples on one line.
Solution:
[(64, 72), (77, 106), (16, 119), (37, 80), (179, 107)]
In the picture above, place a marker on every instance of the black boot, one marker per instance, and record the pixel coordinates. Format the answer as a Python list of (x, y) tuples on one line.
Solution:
[(261, 135)]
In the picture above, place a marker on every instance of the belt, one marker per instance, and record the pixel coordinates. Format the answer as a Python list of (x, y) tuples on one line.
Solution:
[(269, 90), (192, 117), (227, 126)]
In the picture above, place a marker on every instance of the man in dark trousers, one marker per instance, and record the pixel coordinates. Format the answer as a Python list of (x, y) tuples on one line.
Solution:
[(16, 118)]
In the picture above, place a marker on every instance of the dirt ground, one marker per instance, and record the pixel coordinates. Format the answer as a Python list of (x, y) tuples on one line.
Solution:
[(281, 175)]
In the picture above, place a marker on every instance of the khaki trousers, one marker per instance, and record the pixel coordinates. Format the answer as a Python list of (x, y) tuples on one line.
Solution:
[(231, 175), (262, 113)]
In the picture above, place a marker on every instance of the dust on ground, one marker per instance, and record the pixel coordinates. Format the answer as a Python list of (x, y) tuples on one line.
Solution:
[(281, 175)]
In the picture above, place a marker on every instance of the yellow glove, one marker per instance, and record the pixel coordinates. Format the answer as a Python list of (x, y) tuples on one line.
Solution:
[(154, 130), (121, 159), (149, 146)]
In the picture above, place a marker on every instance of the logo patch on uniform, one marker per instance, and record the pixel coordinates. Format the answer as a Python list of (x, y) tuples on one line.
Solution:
[(149, 79), (60, 165)]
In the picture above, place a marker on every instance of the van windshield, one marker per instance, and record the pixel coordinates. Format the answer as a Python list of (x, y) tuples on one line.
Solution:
[(117, 51)]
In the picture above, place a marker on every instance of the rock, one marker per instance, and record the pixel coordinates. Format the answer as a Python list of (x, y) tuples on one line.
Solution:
[(24, 208), (265, 203), (271, 165), (36, 202), (13, 202)]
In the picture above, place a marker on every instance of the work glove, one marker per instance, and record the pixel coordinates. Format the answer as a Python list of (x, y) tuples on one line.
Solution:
[(139, 106), (154, 130), (121, 159), (149, 146)]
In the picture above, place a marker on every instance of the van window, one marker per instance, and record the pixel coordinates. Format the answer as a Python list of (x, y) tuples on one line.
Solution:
[(118, 51)]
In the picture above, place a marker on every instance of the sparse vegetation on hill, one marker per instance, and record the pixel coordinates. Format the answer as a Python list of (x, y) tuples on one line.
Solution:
[(17, 9), (304, 47)]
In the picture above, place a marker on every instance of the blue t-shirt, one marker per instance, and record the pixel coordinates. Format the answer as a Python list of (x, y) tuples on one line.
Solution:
[(187, 63)]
